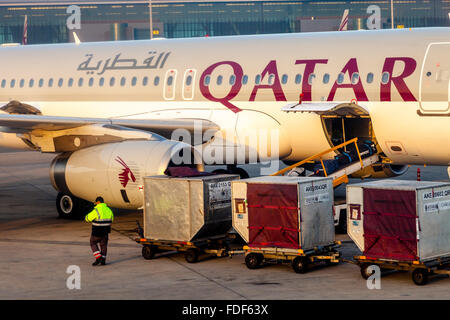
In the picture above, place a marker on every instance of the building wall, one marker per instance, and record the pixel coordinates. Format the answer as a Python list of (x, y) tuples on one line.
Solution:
[(173, 19)]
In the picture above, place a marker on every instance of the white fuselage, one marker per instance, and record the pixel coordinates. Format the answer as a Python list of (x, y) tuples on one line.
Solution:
[(214, 79)]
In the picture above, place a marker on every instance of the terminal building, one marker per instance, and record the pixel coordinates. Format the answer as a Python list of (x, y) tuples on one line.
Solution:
[(99, 20)]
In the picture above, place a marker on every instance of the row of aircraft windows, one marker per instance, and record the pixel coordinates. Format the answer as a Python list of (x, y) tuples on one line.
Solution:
[(298, 79), (355, 78), (71, 82)]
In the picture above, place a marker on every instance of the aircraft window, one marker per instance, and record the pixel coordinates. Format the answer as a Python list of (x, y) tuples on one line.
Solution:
[(60, 82), (188, 80), (271, 79), (3, 83), (112, 81), (326, 78), (311, 78), (207, 80), (101, 82), (31, 83), (123, 81), (340, 78), (385, 78), (133, 81), (13, 83), (245, 79), (144, 81), (232, 79), (22, 83), (355, 78), (50, 82), (219, 80), (41, 83), (370, 77), (298, 78), (80, 82), (284, 79), (169, 80), (91, 82), (156, 81), (258, 79), (70, 82)]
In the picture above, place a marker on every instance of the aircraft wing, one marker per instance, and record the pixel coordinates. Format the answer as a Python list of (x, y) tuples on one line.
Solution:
[(22, 123), (46, 132)]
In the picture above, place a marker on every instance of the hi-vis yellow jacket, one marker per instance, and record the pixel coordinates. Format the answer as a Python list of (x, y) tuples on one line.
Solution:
[(101, 216)]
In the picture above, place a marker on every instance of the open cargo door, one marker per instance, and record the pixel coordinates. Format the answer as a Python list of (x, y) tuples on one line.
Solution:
[(273, 215), (390, 224)]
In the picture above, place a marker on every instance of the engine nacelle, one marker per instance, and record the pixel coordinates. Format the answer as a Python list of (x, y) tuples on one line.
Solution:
[(381, 170), (115, 171)]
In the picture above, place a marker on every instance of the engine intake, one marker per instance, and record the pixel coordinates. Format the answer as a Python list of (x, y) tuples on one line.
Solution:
[(115, 171)]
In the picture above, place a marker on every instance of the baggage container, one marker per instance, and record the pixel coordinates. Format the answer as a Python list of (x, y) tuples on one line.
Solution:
[(400, 220), (284, 212), (187, 208)]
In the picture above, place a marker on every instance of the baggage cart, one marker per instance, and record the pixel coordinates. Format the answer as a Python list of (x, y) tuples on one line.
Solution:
[(420, 271), (187, 214), (218, 246), (401, 225), (300, 260), (285, 219)]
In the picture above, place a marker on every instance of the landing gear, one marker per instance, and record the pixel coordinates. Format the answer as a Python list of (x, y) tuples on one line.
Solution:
[(70, 207)]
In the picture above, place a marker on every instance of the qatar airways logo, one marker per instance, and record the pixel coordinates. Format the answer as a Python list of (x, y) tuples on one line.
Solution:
[(126, 175), (407, 66)]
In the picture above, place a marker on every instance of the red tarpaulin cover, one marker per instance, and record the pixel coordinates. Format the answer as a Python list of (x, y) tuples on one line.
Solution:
[(273, 215), (390, 224)]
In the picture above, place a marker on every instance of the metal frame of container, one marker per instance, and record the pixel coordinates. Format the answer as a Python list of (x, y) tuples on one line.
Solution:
[(187, 208), (432, 204), (310, 198)]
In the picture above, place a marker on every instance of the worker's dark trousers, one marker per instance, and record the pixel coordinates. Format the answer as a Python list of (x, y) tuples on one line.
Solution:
[(103, 241)]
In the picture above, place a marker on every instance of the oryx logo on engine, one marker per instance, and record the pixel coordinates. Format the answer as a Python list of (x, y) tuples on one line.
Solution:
[(126, 173)]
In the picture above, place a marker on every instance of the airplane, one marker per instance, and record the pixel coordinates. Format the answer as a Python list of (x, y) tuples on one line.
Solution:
[(114, 112)]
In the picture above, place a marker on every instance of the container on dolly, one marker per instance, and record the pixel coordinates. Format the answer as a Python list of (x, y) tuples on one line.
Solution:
[(401, 225), (187, 214), (285, 219)]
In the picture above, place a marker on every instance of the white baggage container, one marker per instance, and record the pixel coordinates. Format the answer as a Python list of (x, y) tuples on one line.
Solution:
[(400, 220), (284, 212), (187, 209)]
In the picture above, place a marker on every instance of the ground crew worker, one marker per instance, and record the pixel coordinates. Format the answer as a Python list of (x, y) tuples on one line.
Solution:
[(101, 218)]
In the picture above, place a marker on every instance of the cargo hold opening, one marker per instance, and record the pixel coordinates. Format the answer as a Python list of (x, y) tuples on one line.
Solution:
[(340, 129), (345, 122)]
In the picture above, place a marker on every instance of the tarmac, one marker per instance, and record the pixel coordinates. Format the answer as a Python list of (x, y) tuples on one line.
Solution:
[(40, 252)]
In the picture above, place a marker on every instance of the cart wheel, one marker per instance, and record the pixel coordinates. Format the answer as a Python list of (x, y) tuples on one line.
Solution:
[(191, 255), (365, 273), (253, 260), (420, 276), (148, 252), (300, 264)]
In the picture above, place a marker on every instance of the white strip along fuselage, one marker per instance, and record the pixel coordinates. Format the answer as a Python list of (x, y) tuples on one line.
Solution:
[(208, 78)]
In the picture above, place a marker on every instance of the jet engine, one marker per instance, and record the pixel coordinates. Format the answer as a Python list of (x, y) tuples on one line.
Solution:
[(115, 172), (381, 170)]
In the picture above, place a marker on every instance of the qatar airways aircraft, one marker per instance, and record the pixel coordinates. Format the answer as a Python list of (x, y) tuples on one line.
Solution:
[(114, 112)]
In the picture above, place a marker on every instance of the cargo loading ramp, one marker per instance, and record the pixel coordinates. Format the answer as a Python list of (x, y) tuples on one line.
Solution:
[(341, 175)]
